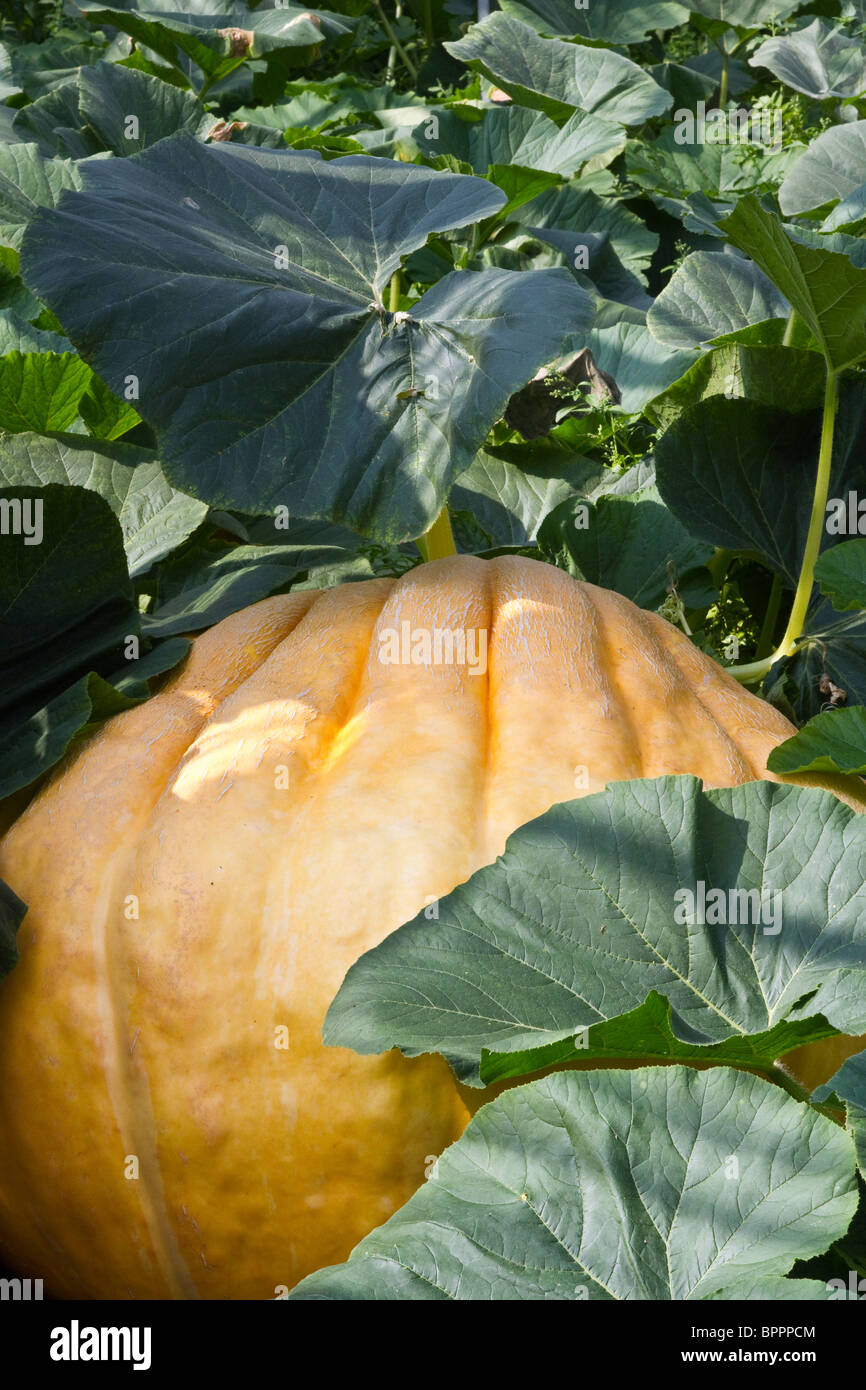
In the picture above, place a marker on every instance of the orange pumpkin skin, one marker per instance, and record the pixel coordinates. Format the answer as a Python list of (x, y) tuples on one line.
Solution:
[(202, 873)]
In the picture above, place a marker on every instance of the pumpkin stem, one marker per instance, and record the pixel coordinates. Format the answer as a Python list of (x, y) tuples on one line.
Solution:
[(394, 288), (756, 670), (790, 325), (438, 542)]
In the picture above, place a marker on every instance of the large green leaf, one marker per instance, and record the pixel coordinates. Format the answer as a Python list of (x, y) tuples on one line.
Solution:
[(510, 494), (642, 367), (516, 135), (154, 517), (740, 473), (41, 390), (43, 67), (831, 742), (202, 588), (622, 543), (615, 239), (8, 85), (316, 398), (745, 14), (28, 182), (841, 572), (711, 294), (818, 61), (54, 122), (661, 1183), (588, 910), (17, 335), (822, 286), (832, 168), (558, 77), (603, 21), (36, 743), (675, 171), (784, 378), (216, 38), (111, 94), (646, 1034)]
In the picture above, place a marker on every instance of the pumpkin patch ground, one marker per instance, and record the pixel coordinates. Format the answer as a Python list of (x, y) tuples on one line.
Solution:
[(433, 617)]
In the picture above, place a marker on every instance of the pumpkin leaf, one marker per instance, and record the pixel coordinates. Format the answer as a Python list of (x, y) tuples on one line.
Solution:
[(221, 40), (821, 285), (720, 464), (711, 294), (744, 14), (198, 235), (17, 335), (671, 171), (818, 61), (28, 182), (108, 93), (646, 1034), (598, 901), (618, 244), (555, 1190), (642, 367), (155, 518), (516, 136), (35, 744), (557, 77), (199, 590), (67, 610), (603, 21), (622, 543), (789, 379), (511, 494), (41, 390), (831, 170), (841, 571), (831, 742)]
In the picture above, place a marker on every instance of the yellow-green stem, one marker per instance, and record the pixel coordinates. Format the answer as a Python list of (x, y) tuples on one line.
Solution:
[(723, 85), (756, 670), (438, 542), (394, 289), (790, 324)]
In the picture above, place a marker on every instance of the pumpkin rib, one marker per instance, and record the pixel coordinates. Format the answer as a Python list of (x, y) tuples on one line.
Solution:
[(134, 1111), (622, 712), (135, 1119)]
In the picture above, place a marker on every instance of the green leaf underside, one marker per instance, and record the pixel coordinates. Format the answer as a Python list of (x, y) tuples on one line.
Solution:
[(616, 1185), (574, 926), (831, 742)]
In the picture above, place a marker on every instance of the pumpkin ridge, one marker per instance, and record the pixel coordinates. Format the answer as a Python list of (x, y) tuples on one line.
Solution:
[(131, 1104), (656, 628), (622, 713), (721, 680), (137, 1129)]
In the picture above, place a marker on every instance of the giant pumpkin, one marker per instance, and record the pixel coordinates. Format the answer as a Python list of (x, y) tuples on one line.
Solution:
[(202, 873)]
